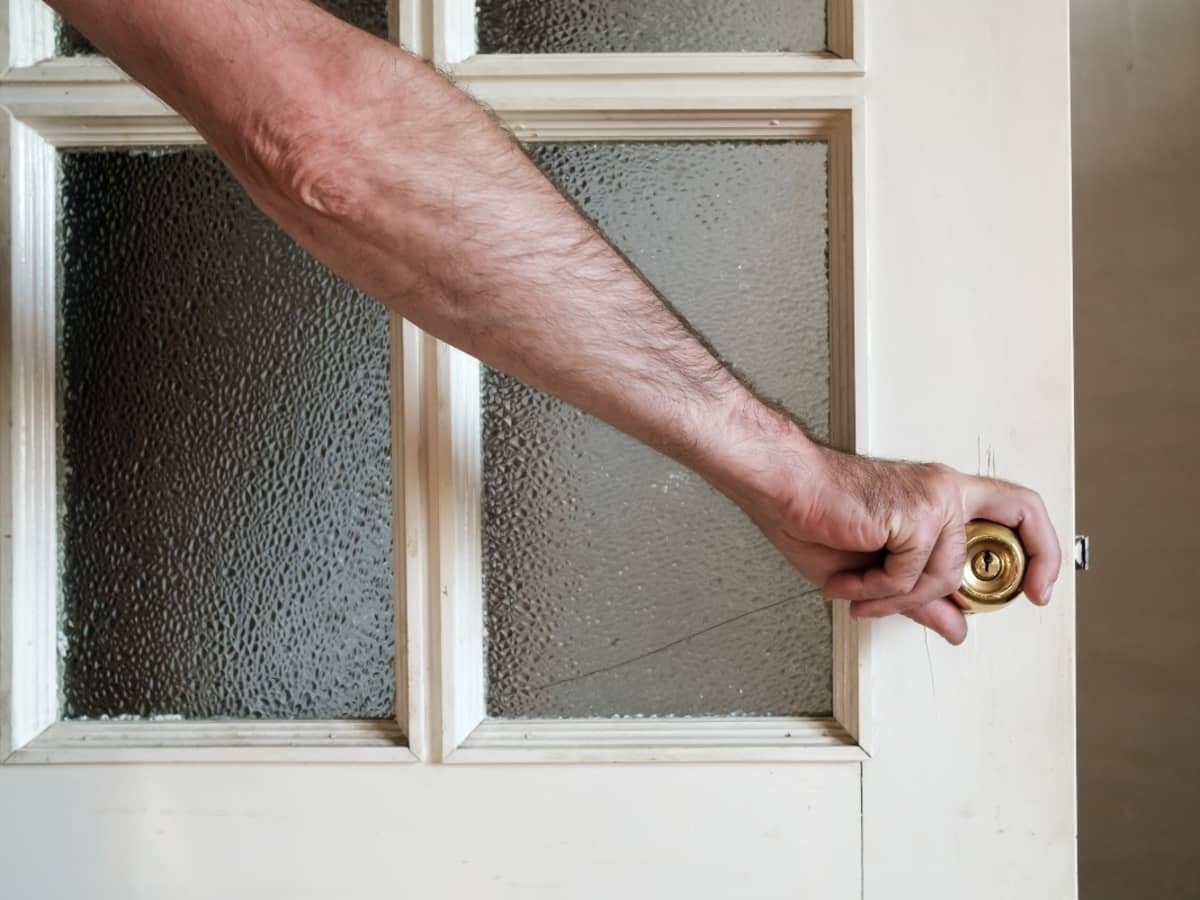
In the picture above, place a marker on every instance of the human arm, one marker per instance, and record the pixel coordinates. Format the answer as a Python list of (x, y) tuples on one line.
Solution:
[(404, 186)]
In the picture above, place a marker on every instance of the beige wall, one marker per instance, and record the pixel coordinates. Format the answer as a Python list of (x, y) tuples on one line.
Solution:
[(1136, 68)]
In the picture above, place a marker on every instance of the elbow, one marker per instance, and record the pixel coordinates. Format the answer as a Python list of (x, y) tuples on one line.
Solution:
[(323, 186), (323, 179), (307, 174)]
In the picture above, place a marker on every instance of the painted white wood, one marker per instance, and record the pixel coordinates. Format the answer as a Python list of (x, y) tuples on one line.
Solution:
[(453, 31), (971, 789), (662, 93), (849, 404), (410, 507), (456, 52), (133, 742), (10, 720), (8, 487), (90, 87), (71, 69), (456, 467), (28, 592), (414, 26), (378, 832), (846, 31), (658, 740), (589, 120), (457, 456), (703, 66), (27, 32)]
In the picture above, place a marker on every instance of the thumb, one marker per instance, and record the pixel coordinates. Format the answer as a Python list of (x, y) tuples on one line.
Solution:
[(944, 617)]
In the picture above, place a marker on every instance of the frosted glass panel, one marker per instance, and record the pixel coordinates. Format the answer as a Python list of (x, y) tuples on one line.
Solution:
[(226, 489), (370, 15), (617, 583), (649, 26)]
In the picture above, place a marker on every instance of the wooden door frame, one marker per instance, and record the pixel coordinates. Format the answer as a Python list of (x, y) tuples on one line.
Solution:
[(56, 104)]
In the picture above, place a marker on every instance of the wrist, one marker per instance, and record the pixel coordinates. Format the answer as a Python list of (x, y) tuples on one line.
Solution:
[(758, 456)]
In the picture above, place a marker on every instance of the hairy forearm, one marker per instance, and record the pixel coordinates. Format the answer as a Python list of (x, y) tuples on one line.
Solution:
[(408, 189)]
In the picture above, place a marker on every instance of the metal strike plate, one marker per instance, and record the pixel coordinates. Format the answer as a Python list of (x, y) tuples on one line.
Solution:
[(1083, 552)]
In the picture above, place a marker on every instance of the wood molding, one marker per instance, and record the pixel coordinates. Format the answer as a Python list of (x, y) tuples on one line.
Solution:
[(29, 32), (416, 585), (156, 741), (90, 102), (658, 740), (453, 31), (78, 70), (466, 733), (72, 132), (93, 88), (844, 29), (455, 42), (676, 125), (413, 26), (457, 466), (10, 724), (848, 419), (28, 593), (700, 66)]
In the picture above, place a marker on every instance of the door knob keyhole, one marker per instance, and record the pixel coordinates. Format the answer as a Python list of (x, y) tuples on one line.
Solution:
[(987, 566)]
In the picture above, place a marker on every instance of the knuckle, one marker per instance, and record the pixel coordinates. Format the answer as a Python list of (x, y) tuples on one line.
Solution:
[(940, 494), (941, 475), (950, 488), (920, 522)]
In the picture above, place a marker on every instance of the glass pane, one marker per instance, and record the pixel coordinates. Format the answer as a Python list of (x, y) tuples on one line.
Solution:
[(617, 583), (650, 26), (370, 15), (226, 488)]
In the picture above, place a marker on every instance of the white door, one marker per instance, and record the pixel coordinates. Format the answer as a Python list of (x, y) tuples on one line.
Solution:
[(873, 222)]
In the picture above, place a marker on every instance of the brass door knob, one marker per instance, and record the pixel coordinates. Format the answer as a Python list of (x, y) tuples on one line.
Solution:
[(994, 569)]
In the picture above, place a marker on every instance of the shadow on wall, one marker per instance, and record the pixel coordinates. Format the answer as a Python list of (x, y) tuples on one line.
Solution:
[(1136, 95)]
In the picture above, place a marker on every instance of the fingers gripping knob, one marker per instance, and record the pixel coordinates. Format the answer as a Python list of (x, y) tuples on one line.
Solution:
[(994, 568)]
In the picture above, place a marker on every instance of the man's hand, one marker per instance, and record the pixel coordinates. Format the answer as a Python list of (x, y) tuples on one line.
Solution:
[(887, 537)]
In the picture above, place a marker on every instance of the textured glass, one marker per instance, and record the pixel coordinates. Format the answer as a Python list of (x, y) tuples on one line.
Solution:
[(226, 489), (370, 15), (618, 583), (649, 26)]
